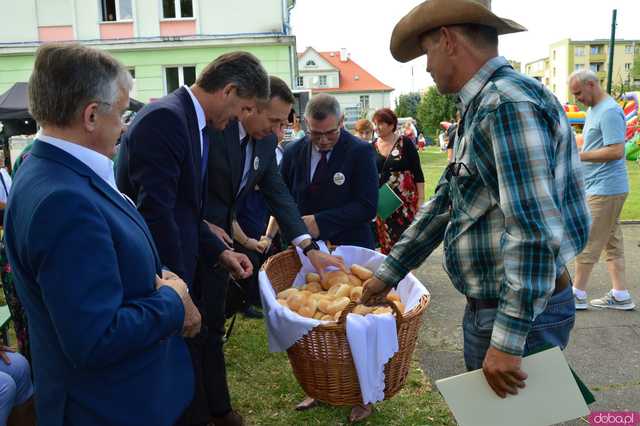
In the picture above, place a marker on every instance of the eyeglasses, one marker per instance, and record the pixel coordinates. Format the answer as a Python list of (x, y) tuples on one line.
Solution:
[(317, 136)]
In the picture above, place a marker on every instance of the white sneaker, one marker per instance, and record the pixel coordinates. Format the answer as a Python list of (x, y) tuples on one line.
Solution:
[(581, 304), (610, 302)]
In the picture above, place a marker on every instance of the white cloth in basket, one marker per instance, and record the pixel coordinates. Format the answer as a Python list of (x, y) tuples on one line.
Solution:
[(373, 339)]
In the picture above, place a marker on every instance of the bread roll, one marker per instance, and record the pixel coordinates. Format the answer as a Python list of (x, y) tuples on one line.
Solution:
[(295, 301), (338, 305), (318, 315), (340, 290), (312, 277), (284, 294), (336, 316), (355, 294), (323, 305), (361, 272), (334, 277), (314, 287), (283, 302), (354, 281), (308, 308), (400, 306), (363, 310), (327, 318), (391, 297), (383, 310)]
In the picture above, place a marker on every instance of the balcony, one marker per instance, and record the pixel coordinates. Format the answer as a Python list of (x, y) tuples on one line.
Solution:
[(599, 57)]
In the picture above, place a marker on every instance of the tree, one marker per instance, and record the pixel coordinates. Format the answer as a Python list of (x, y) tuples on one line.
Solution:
[(407, 106), (433, 109)]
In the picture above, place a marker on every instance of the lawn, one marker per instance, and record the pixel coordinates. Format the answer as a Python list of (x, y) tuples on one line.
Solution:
[(434, 161), (264, 390)]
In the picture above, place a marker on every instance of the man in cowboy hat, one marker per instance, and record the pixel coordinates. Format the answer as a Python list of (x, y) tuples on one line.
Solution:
[(510, 209)]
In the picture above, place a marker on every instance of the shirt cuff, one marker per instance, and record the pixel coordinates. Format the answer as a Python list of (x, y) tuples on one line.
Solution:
[(510, 334), (391, 272), (298, 240)]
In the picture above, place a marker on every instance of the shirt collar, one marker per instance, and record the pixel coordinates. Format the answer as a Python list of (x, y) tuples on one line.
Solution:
[(98, 163), (202, 121), (477, 82), (242, 132)]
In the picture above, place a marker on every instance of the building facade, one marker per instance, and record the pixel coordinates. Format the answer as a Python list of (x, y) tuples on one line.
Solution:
[(164, 43), (567, 56), (360, 94)]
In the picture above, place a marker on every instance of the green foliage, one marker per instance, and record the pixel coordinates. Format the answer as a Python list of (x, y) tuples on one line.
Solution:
[(407, 106), (433, 109)]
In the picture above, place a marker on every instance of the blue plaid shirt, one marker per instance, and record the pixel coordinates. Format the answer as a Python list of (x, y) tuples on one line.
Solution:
[(511, 210)]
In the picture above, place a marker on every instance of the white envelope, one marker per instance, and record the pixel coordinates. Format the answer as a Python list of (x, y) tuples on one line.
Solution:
[(551, 395)]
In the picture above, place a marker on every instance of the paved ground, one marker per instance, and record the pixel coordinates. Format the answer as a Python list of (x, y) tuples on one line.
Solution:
[(604, 349)]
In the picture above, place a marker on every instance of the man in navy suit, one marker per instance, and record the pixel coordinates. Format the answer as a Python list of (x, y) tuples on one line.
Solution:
[(243, 156), (332, 176), (162, 166), (104, 327)]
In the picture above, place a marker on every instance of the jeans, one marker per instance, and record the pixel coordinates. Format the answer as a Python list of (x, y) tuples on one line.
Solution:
[(15, 384), (550, 327)]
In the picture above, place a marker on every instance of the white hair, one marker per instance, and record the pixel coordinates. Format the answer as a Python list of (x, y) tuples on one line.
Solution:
[(584, 75)]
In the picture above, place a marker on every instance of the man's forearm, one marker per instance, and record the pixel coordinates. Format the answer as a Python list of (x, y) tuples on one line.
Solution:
[(602, 155)]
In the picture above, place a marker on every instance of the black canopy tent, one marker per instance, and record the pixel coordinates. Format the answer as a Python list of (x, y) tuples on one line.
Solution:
[(14, 103)]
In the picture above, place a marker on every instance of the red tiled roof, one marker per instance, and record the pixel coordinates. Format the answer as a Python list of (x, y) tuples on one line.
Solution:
[(349, 70)]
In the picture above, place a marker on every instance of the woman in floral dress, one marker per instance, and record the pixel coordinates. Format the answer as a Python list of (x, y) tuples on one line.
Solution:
[(399, 166)]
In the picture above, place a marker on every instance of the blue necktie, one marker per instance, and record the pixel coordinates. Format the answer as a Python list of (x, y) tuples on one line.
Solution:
[(205, 154)]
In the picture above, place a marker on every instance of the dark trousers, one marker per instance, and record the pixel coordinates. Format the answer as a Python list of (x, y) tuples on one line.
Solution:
[(250, 285), (207, 354)]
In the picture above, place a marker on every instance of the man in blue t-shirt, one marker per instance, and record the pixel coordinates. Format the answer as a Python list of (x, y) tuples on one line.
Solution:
[(607, 188)]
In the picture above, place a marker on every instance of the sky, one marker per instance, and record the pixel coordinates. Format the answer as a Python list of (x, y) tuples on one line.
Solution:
[(364, 28)]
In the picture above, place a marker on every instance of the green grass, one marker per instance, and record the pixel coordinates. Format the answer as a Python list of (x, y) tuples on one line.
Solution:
[(434, 161), (264, 390)]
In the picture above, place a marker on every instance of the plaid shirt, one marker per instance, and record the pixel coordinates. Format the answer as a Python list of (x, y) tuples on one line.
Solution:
[(511, 210)]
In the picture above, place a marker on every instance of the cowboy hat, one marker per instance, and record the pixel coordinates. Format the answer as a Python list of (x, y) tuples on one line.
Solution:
[(432, 14)]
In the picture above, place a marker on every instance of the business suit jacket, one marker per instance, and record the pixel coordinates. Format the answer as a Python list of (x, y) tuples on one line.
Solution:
[(104, 340), (347, 202), (224, 181), (159, 168)]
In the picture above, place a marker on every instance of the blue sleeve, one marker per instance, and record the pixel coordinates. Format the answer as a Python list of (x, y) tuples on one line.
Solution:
[(613, 127), (73, 255)]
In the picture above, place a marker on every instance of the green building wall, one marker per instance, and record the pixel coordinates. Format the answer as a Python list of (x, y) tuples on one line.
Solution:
[(149, 64)]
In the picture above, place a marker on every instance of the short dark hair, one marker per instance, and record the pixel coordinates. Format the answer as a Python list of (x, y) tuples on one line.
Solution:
[(321, 106), (385, 115), (66, 77), (239, 68), (279, 89), (480, 35)]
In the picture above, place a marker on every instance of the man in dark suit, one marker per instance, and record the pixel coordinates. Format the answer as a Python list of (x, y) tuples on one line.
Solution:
[(104, 328), (243, 156), (163, 165), (332, 176)]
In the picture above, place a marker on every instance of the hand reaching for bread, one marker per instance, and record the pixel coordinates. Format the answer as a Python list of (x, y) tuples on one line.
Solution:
[(325, 297)]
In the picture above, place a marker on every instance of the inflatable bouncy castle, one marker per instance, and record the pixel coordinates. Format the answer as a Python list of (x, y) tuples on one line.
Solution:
[(629, 103), (576, 120)]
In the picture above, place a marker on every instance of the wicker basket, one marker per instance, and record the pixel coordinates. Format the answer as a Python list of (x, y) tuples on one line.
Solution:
[(322, 361)]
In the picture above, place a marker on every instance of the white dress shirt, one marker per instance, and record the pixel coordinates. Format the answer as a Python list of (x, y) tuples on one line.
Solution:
[(5, 187), (202, 121), (315, 159)]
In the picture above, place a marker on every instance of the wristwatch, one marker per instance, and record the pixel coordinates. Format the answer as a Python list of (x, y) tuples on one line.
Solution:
[(311, 246)]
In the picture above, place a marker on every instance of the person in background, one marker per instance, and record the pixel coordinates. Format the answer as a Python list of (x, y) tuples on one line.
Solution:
[(5, 186), (421, 142), (452, 133), (510, 211), (607, 189), (363, 129), (409, 132), (16, 389), (398, 166)]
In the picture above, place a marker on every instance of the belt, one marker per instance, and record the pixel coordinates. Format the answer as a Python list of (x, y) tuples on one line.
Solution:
[(562, 282)]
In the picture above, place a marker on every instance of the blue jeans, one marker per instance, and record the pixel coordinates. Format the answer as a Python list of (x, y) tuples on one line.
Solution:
[(15, 384), (550, 327)]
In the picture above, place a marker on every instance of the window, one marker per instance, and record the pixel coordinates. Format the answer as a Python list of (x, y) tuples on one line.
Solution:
[(554, 55), (351, 114), (628, 49), (300, 81), (178, 76), (597, 49), (579, 67), (554, 71), (322, 81), (311, 63), (596, 66), (132, 71), (116, 10), (579, 51), (364, 102), (627, 67), (177, 9)]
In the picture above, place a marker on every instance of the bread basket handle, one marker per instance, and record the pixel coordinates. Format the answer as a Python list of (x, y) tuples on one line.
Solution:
[(352, 305)]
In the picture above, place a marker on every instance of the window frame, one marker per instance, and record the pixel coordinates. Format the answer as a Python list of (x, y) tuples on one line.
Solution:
[(580, 51), (180, 75), (178, 8), (326, 80), (117, 7), (300, 81)]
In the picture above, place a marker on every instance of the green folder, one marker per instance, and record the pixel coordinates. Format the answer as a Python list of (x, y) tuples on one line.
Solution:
[(388, 201)]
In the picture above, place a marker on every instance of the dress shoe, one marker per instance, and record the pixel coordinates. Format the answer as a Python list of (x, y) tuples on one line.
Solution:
[(230, 419), (253, 313)]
